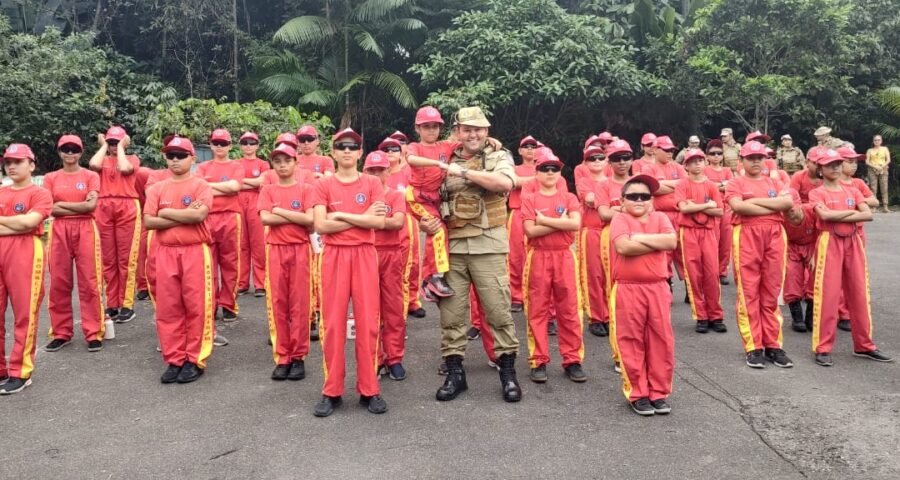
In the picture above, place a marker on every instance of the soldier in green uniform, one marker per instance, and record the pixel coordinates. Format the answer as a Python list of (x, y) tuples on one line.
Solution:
[(790, 158), (474, 193), (824, 139), (731, 149)]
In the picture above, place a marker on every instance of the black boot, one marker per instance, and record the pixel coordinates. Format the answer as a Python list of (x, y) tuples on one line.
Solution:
[(809, 315), (508, 382), (455, 383), (797, 321)]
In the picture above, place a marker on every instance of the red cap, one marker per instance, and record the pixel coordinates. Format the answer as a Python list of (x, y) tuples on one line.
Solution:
[(116, 133), (347, 133), (770, 153), (307, 131), (753, 148), (618, 146), (221, 135), (284, 148), (591, 151), (664, 142), (399, 136), (692, 153), (828, 156), (590, 140), (528, 140), (179, 143), (376, 159), (648, 139), (288, 138), (249, 136), (70, 140), (428, 114), (545, 156), (605, 137), (714, 143), (388, 142), (652, 183), (850, 154), (18, 151), (757, 136)]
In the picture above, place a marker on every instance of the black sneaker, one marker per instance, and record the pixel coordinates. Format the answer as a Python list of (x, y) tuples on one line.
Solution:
[(598, 329), (228, 315), (427, 295), (243, 291), (56, 344), (723, 280), (660, 407), (539, 374), (95, 346), (14, 385), (298, 371), (575, 373), (844, 324), (755, 359), (314, 331), (617, 367), (189, 373), (718, 326), (396, 372), (125, 315), (442, 369), (281, 372), (779, 358), (687, 298), (438, 285), (326, 406), (374, 404), (171, 374), (643, 407), (473, 333), (143, 295), (551, 328), (516, 307), (112, 313), (417, 313), (259, 293), (4, 379), (876, 355), (824, 359), (702, 326)]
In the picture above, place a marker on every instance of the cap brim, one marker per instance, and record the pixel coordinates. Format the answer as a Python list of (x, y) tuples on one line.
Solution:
[(353, 135), (652, 183), (477, 123)]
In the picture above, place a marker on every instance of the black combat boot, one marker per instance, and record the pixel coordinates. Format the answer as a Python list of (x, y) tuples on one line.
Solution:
[(809, 315), (508, 382), (455, 383), (797, 321)]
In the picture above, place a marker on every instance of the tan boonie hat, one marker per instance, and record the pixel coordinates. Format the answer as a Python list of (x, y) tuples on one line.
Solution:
[(822, 131), (473, 117), (786, 137), (726, 131), (694, 139)]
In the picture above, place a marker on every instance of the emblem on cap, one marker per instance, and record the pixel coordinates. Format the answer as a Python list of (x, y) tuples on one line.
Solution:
[(13, 149), (175, 142)]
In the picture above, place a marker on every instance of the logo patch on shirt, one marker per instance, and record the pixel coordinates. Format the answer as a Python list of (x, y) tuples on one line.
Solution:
[(224, 178), (295, 204), (706, 198), (389, 209), (317, 168), (443, 158), (675, 175), (772, 193), (80, 186), (19, 207), (360, 198), (560, 209), (255, 172), (187, 200), (851, 202)]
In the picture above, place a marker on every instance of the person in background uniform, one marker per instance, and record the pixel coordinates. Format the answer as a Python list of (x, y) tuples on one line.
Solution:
[(878, 160), (668, 174), (800, 229), (693, 142), (720, 175), (648, 153), (731, 150), (789, 158), (517, 241), (308, 157), (140, 184), (807, 179), (74, 238), (825, 140), (253, 242), (591, 274), (23, 208)]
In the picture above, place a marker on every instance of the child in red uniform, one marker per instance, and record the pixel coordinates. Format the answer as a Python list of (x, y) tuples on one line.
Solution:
[(648, 153), (700, 205), (349, 207), (74, 238), (758, 245), (392, 263), (286, 209), (668, 173), (591, 274), (720, 175), (800, 229), (155, 177), (23, 208), (225, 178), (140, 184), (118, 216), (308, 157), (841, 265), (515, 227), (807, 179), (639, 309), (253, 242), (551, 217), (177, 211)]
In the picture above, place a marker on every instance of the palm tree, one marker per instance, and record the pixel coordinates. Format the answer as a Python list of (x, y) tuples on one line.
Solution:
[(357, 40), (889, 98)]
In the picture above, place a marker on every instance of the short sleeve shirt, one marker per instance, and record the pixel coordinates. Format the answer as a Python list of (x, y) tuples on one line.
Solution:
[(846, 198), (116, 184), (26, 200), (427, 180), (179, 195), (552, 206), (669, 171), (216, 172), (801, 182), (297, 198), (354, 197), (590, 217), (315, 164), (804, 233), (72, 187), (697, 192), (646, 268), (254, 168), (746, 188), (395, 203)]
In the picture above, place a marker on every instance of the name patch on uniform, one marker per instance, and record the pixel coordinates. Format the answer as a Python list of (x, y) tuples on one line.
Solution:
[(360, 198), (80, 186), (187, 200)]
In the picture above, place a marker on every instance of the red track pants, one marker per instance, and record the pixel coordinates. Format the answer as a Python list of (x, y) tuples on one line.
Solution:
[(674, 255), (517, 242), (225, 229), (700, 263), (798, 278), (289, 299), (641, 331), (394, 300), (592, 276), (350, 273), (119, 222), (75, 239), (841, 267), (22, 285), (141, 272), (253, 242), (725, 227), (606, 262), (550, 280), (759, 257), (185, 303)]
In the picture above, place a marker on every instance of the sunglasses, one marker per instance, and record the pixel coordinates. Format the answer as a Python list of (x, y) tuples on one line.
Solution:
[(112, 143), (219, 143), (529, 146), (637, 197), (177, 155), (305, 139), (715, 154), (249, 142), (549, 169), (596, 158), (69, 149), (347, 146), (392, 149), (619, 159)]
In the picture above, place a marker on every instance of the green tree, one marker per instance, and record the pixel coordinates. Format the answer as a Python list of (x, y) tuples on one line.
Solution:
[(889, 99)]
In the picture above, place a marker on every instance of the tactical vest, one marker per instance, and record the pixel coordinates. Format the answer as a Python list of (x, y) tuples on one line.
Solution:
[(465, 203)]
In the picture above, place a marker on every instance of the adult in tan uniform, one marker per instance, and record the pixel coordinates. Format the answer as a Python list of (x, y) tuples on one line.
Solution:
[(878, 158), (474, 193), (693, 142), (731, 149), (824, 139), (790, 158)]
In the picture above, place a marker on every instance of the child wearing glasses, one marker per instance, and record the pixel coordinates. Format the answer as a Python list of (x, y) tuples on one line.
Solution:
[(591, 274), (253, 242), (308, 157), (719, 174)]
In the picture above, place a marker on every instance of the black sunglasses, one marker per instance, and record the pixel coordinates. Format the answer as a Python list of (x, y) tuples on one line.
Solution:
[(596, 158), (177, 155), (69, 149), (638, 197), (112, 143), (392, 149), (619, 158), (715, 154), (249, 142), (549, 169), (529, 146), (305, 139), (219, 143), (347, 146)]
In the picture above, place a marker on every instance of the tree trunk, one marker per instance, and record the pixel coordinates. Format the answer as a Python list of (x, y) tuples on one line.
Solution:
[(95, 26), (234, 58)]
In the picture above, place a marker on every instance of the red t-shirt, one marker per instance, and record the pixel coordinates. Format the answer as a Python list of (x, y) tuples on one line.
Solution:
[(72, 187), (582, 171), (315, 163), (649, 267), (140, 182), (669, 171), (155, 177), (768, 167), (804, 233), (115, 184), (847, 198), (515, 196), (552, 206), (427, 180), (801, 182), (270, 177), (637, 166), (26, 200), (400, 180), (859, 185), (296, 197), (180, 195), (718, 176), (590, 217), (395, 202), (698, 192), (354, 197), (745, 188), (216, 172), (253, 168), (610, 193)]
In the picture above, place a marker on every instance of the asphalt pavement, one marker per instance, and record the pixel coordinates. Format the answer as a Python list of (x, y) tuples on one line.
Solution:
[(105, 414)]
